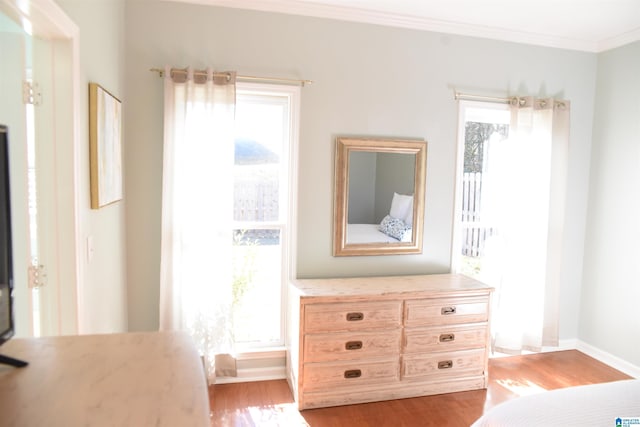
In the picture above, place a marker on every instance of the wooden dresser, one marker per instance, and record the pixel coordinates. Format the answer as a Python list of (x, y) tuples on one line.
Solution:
[(367, 339)]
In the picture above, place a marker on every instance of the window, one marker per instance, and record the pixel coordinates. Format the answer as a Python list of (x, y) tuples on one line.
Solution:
[(480, 126), (264, 201), (510, 212)]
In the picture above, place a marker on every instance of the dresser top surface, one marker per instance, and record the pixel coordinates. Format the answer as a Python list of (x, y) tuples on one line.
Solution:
[(391, 286), (141, 379)]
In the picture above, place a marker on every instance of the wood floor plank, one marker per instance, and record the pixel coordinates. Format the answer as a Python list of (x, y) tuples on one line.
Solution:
[(270, 403)]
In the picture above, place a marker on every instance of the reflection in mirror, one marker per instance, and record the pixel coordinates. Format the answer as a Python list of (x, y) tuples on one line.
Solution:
[(379, 196), (380, 184)]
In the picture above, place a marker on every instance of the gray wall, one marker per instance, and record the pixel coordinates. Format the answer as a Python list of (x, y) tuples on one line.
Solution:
[(362, 187), (609, 316), (102, 301), (370, 81), (395, 174)]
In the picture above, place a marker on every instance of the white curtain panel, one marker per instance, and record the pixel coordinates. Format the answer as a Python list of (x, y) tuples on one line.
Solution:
[(197, 200), (524, 199)]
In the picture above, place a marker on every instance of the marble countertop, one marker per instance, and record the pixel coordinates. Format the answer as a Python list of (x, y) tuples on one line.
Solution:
[(131, 379)]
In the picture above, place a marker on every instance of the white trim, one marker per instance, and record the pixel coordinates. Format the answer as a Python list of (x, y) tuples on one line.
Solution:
[(619, 40), (260, 354), (45, 19), (456, 243), (253, 358), (352, 14), (600, 355), (254, 374), (278, 372), (456, 232), (608, 359), (287, 227), (562, 346)]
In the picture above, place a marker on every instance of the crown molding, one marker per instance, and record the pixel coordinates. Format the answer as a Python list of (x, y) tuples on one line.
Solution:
[(350, 14), (619, 40)]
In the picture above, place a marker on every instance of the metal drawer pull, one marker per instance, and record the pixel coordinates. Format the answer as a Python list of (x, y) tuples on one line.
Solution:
[(353, 373), (354, 317), (353, 345), (448, 310), (445, 364), (447, 337)]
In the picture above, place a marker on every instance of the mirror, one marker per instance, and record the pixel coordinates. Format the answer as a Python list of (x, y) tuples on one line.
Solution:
[(379, 196)]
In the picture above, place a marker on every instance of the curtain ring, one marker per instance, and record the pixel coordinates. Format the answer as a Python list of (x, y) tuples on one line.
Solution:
[(518, 102)]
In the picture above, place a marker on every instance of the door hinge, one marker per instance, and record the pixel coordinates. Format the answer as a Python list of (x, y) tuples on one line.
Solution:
[(31, 93), (37, 276)]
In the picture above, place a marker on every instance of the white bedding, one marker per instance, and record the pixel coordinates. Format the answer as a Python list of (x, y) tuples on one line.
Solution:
[(368, 233), (590, 405)]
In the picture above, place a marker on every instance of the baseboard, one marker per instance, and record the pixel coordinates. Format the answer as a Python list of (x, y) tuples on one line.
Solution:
[(255, 374), (562, 345), (600, 355), (258, 365), (279, 372), (609, 359)]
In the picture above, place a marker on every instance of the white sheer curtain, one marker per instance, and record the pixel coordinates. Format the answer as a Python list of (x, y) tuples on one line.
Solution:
[(524, 192), (197, 200)]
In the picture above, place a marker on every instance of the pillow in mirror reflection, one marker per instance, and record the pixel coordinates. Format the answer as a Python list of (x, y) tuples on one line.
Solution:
[(402, 208), (395, 227)]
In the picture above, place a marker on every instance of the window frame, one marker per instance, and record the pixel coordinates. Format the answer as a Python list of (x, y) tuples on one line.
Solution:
[(463, 107), (288, 201)]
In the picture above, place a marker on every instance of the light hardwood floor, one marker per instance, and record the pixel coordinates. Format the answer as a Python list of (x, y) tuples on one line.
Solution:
[(270, 403)]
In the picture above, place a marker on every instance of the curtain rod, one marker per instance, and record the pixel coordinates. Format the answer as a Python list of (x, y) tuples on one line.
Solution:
[(299, 82), (458, 96), (514, 100)]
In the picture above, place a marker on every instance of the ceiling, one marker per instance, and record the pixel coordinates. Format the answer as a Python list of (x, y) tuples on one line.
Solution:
[(586, 25)]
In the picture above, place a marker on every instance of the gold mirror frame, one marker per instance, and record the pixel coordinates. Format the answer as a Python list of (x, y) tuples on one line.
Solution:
[(345, 146)]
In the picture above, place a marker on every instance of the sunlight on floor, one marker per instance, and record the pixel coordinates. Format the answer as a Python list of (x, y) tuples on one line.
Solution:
[(521, 388), (277, 415)]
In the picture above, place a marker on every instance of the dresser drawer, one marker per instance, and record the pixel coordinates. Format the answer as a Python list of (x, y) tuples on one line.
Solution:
[(445, 338), (351, 374), (351, 345), (352, 316), (445, 311), (456, 363)]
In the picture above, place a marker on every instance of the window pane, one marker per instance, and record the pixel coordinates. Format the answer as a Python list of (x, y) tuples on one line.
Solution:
[(256, 192), (257, 285), (482, 127), (261, 207), (261, 135)]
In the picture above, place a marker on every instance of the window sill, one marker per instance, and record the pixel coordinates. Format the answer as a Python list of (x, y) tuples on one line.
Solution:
[(261, 353)]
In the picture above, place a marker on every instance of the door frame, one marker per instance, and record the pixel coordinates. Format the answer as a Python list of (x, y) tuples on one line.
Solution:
[(44, 18)]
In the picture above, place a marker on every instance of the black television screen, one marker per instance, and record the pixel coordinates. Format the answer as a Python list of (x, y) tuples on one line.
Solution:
[(6, 268)]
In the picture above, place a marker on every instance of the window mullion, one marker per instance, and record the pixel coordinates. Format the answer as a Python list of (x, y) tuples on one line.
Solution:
[(247, 225)]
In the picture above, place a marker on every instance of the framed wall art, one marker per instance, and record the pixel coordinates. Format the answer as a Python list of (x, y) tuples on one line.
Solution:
[(105, 146)]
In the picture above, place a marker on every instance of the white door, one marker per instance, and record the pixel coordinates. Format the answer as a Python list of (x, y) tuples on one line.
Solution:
[(13, 48), (30, 108)]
